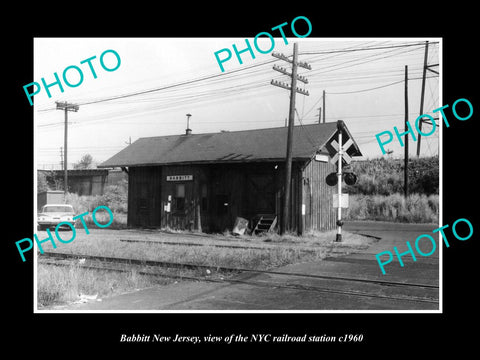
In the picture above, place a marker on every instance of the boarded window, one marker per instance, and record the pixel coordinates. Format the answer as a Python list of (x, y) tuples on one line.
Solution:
[(179, 197), (204, 197), (142, 204)]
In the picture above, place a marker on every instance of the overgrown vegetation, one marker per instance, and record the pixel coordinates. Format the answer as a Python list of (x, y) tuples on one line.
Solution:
[(415, 209), (42, 183), (378, 193), (383, 176), (65, 283), (115, 197)]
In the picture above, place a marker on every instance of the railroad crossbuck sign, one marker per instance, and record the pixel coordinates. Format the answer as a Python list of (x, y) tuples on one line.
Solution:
[(345, 147)]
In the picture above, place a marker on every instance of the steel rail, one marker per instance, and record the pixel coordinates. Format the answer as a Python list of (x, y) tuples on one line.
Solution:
[(228, 269), (260, 283)]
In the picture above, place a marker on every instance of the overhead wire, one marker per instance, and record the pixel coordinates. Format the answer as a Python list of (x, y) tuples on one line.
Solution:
[(333, 51), (178, 97), (221, 76), (169, 86)]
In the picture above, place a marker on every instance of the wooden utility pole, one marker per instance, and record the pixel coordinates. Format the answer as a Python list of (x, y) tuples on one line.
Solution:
[(324, 106), (66, 107), (405, 171), (339, 181), (291, 120), (288, 162), (422, 96)]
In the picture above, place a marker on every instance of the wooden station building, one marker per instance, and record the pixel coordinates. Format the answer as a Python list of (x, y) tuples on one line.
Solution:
[(205, 181)]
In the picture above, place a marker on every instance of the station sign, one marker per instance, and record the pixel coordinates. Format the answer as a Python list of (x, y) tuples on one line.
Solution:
[(179, 177)]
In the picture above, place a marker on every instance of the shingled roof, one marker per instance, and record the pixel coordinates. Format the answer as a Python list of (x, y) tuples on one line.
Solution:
[(227, 147)]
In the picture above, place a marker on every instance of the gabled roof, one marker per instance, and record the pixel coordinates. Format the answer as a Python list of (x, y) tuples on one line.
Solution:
[(227, 147)]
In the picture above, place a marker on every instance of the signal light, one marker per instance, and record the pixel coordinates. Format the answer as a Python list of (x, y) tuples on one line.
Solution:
[(350, 179), (331, 179)]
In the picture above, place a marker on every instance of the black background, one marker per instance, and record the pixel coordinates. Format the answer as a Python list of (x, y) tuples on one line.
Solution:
[(405, 334)]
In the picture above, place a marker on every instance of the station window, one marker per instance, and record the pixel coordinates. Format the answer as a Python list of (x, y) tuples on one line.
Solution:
[(204, 197), (142, 204), (179, 197)]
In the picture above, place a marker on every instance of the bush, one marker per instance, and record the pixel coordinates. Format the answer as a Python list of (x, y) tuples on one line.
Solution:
[(415, 209), (42, 184), (115, 198), (81, 203), (385, 176)]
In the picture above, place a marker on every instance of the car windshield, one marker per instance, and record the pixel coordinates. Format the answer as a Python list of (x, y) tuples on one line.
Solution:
[(57, 208)]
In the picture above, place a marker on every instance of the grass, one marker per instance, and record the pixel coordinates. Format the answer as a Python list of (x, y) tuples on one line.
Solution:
[(382, 176), (116, 203), (64, 284), (415, 209)]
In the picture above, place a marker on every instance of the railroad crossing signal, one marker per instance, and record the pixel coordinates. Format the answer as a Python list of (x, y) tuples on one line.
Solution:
[(337, 150), (349, 177), (345, 147)]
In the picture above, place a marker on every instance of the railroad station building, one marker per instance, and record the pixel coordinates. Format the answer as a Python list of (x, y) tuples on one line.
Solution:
[(205, 182)]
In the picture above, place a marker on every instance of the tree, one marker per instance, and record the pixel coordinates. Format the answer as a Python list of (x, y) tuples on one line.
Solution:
[(84, 163), (42, 183)]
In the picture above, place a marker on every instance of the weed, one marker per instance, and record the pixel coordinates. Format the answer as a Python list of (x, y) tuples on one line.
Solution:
[(65, 284), (385, 176), (416, 208), (58, 284)]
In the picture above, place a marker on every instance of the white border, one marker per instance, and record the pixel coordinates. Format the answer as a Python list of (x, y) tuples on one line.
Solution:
[(439, 311)]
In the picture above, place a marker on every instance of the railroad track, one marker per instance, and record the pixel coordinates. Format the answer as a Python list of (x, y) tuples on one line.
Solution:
[(330, 249), (176, 243), (330, 284)]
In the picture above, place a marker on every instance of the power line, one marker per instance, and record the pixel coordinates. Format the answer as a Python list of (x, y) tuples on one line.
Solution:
[(375, 88), (224, 85), (187, 82), (223, 76), (205, 96), (364, 90), (364, 48)]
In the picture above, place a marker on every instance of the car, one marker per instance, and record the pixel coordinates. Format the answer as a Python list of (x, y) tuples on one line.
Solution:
[(51, 215)]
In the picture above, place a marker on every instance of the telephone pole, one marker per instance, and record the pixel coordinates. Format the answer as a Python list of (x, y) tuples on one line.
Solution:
[(291, 119), (324, 106), (422, 96), (66, 107), (426, 67), (405, 170)]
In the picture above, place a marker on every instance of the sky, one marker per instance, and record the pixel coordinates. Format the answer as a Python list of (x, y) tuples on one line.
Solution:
[(160, 80)]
